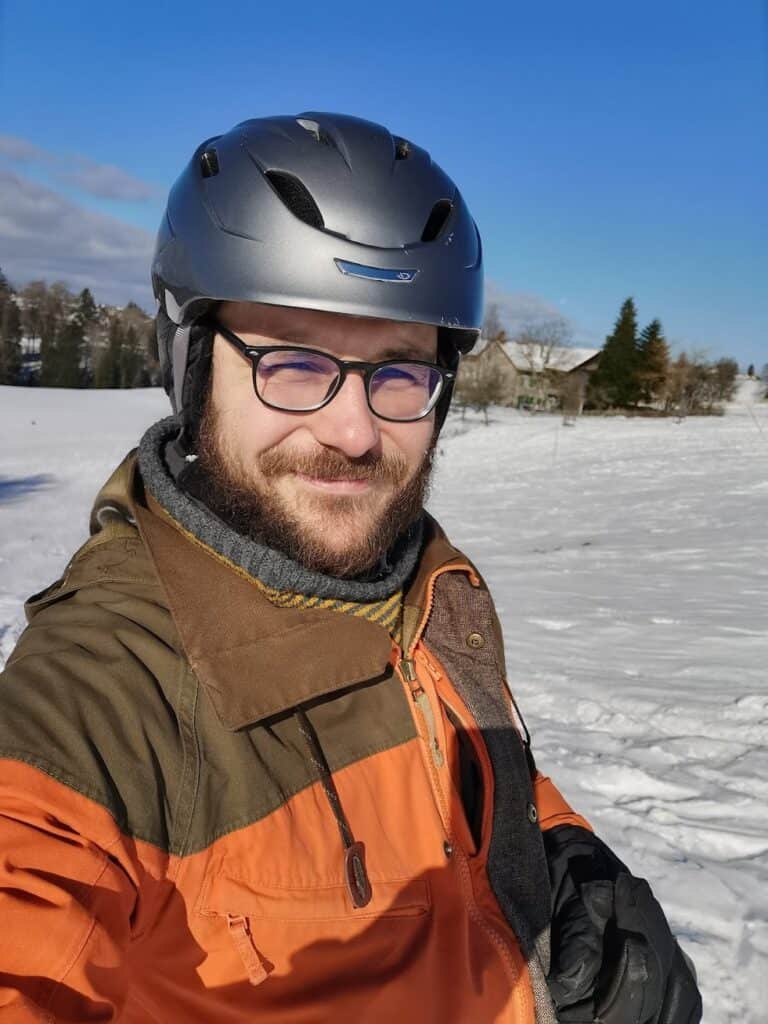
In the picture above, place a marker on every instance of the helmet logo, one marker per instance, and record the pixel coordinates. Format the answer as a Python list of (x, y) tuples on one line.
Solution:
[(390, 274)]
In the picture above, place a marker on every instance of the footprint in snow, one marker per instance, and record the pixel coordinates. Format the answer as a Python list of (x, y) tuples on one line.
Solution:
[(552, 625)]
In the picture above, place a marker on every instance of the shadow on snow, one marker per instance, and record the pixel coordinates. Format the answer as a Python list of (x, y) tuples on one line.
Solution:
[(13, 488)]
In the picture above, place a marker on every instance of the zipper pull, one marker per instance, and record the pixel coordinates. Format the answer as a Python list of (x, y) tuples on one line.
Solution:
[(257, 968), (408, 669)]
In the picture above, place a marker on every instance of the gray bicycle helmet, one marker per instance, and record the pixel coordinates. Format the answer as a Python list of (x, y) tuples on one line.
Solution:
[(320, 211)]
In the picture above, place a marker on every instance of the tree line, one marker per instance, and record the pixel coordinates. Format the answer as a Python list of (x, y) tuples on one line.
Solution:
[(636, 370), (52, 337), (55, 338)]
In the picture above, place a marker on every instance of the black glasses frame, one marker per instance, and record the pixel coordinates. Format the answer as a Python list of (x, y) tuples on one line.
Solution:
[(254, 354)]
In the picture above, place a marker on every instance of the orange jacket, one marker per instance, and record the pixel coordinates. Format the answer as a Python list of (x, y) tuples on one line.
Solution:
[(213, 809)]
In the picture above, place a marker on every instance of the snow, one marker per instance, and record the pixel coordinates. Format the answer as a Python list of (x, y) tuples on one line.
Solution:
[(627, 559)]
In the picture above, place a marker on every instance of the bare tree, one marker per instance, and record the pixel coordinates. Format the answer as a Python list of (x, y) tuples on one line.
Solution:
[(493, 329), (479, 389), (698, 386), (542, 348)]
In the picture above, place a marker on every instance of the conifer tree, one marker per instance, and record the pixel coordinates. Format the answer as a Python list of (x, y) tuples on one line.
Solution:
[(10, 335), (10, 342), (153, 350), (49, 359), (615, 380), (653, 362), (751, 370), (86, 306), (130, 359), (69, 352), (109, 365)]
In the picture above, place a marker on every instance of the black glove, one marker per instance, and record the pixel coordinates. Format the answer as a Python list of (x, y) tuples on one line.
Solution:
[(614, 959)]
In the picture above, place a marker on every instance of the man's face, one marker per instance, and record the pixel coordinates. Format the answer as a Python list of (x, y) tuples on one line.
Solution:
[(331, 488)]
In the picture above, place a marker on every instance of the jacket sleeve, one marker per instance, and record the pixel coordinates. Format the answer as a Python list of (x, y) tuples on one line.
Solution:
[(66, 902), (614, 957), (552, 807)]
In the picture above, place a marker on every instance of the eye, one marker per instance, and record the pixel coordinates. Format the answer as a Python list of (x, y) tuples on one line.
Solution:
[(403, 374), (295, 364)]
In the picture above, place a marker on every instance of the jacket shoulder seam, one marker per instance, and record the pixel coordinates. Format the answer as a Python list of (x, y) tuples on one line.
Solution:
[(245, 821), (76, 785)]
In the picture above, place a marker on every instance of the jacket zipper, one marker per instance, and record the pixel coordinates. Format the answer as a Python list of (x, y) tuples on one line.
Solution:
[(407, 670), (510, 955), (421, 699)]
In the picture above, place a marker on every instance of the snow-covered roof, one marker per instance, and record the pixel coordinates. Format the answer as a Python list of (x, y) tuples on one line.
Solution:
[(533, 357)]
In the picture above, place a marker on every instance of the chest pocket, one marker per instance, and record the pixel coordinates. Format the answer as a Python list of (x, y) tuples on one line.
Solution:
[(295, 935)]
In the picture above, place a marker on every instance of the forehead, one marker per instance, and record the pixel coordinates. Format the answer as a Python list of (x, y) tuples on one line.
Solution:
[(334, 331)]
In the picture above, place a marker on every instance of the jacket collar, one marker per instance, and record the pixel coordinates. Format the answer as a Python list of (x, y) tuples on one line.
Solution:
[(256, 660)]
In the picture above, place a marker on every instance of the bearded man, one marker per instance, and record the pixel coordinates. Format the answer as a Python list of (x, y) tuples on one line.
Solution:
[(260, 760)]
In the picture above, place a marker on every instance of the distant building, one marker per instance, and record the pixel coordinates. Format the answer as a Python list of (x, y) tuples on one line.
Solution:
[(532, 374)]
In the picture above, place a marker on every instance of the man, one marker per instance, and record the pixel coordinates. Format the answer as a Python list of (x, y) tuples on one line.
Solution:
[(260, 760)]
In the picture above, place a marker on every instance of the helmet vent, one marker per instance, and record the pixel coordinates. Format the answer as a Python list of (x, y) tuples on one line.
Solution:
[(402, 148), (309, 126), (436, 221), (209, 163), (297, 197)]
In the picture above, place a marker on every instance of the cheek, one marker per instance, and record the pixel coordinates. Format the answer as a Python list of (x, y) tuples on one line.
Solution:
[(410, 439), (246, 426)]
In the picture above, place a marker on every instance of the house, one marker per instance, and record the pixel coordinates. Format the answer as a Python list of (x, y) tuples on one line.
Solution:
[(531, 374)]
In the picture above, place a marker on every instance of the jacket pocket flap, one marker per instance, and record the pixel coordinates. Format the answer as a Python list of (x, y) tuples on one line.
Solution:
[(227, 895)]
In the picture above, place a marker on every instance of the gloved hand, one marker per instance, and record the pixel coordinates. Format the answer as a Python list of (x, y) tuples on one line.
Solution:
[(614, 959)]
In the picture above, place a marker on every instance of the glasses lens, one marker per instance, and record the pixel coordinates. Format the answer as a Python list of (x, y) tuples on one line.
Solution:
[(404, 391), (294, 379)]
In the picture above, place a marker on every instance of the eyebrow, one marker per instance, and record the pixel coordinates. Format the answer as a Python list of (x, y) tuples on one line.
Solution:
[(295, 336), (406, 350), (399, 350)]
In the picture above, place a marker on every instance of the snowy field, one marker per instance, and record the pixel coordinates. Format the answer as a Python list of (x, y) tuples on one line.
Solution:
[(628, 560)]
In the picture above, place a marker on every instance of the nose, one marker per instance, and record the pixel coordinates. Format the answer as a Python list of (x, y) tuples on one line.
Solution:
[(346, 422)]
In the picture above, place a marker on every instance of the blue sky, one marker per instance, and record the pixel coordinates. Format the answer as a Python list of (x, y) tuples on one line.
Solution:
[(605, 149)]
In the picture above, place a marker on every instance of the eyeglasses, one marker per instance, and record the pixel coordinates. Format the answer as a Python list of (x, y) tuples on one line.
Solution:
[(304, 380)]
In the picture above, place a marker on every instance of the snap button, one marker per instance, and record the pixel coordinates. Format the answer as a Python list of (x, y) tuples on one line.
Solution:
[(448, 848), (533, 814), (476, 640)]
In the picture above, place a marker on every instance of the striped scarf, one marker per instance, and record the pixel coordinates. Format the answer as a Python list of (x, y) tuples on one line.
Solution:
[(387, 613)]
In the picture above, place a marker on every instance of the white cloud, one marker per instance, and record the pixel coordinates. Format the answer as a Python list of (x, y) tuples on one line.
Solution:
[(520, 309), (104, 181), (20, 150), (45, 236)]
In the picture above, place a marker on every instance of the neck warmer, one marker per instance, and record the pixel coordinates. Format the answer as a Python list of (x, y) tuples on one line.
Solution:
[(285, 581)]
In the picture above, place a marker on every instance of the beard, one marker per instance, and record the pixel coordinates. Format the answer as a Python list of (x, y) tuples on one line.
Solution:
[(341, 535)]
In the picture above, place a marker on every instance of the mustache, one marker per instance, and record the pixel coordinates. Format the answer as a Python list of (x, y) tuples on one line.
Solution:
[(330, 465)]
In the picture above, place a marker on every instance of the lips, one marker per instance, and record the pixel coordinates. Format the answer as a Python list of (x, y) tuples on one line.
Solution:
[(339, 485)]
